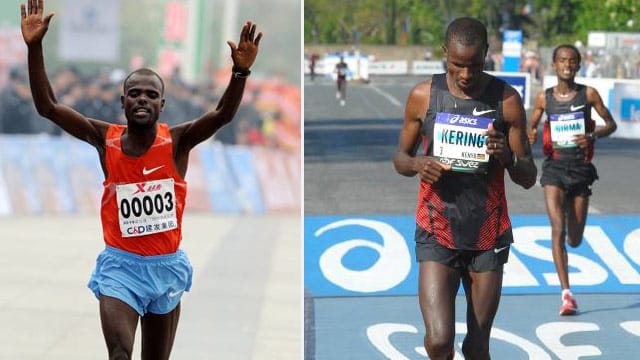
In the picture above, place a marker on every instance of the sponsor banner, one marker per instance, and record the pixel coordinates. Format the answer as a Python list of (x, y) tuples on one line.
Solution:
[(357, 256), (90, 30), (280, 184), (521, 81), (620, 96), (221, 183), (388, 67), (248, 193), (5, 202), (37, 176), (358, 66), (626, 108), (18, 178), (48, 168), (84, 174), (198, 186), (511, 50), (427, 67)]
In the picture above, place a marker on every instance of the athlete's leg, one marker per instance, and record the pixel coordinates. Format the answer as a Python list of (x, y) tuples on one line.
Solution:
[(438, 285), (483, 297), (344, 90), (555, 202), (158, 333), (576, 219), (119, 321)]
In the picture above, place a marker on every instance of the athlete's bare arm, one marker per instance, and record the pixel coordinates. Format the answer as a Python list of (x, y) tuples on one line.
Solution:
[(536, 115), (405, 160), (524, 171), (187, 135), (34, 27), (593, 98)]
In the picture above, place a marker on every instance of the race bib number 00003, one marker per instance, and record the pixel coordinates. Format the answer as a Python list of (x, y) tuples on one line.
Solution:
[(459, 140), (147, 207)]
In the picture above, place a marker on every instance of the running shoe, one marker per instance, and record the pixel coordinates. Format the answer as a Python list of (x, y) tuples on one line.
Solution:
[(569, 305)]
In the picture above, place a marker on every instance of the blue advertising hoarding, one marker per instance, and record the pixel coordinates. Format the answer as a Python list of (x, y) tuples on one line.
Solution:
[(520, 81), (511, 50), (363, 256)]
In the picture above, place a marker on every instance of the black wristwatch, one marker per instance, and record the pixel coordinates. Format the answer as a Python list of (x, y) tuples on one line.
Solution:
[(593, 137), (240, 74)]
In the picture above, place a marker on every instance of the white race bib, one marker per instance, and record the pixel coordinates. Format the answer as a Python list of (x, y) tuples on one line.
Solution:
[(147, 207), (564, 127), (459, 140)]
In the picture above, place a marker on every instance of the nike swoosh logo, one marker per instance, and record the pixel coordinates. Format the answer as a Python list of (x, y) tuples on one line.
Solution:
[(576, 108), (147, 172), (478, 113), (175, 293), (500, 249)]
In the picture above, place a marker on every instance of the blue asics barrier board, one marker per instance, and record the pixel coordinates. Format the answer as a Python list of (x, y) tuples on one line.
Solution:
[(374, 255)]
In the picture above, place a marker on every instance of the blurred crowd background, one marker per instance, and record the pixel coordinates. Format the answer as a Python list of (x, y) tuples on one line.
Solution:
[(252, 165), (193, 60), (268, 116)]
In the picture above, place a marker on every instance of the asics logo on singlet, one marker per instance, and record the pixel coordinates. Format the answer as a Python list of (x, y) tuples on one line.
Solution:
[(576, 108), (478, 113), (147, 172), (564, 117), (459, 119)]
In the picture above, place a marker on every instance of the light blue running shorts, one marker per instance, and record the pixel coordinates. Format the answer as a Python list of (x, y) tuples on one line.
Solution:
[(149, 284)]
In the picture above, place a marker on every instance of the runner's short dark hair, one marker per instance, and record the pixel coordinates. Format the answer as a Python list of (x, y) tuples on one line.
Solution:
[(566, 46), (467, 31), (142, 71)]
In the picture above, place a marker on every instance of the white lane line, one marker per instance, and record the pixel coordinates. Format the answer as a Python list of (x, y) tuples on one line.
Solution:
[(388, 96)]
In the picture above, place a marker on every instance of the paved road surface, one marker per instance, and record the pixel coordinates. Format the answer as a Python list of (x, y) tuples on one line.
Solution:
[(348, 151), (245, 302)]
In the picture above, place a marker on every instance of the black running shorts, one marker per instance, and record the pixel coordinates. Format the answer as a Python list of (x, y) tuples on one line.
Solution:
[(464, 260), (575, 178)]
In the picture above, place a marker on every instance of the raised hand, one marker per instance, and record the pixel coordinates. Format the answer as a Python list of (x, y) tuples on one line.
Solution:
[(32, 23), (245, 53)]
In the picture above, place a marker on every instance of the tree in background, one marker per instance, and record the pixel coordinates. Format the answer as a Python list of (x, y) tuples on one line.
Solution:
[(422, 22)]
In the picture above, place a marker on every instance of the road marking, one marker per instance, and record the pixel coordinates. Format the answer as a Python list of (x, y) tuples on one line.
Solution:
[(388, 96), (592, 210)]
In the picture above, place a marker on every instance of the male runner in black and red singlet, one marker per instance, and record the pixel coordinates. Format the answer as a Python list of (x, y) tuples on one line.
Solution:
[(569, 134), (473, 127), (341, 71), (142, 273)]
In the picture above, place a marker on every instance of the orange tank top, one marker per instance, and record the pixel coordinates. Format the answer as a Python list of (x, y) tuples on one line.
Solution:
[(144, 197)]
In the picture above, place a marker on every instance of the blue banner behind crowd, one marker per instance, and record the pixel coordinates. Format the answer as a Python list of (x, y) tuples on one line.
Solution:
[(356, 256), (41, 174)]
